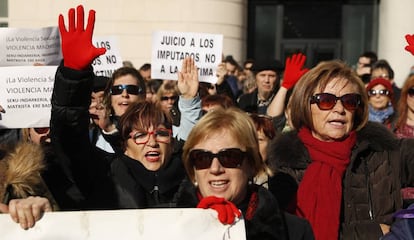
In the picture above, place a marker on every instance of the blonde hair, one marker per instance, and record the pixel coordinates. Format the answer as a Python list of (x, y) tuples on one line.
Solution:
[(238, 124)]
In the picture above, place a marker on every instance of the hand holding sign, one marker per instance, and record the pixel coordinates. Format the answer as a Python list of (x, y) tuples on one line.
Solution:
[(77, 49), (188, 78)]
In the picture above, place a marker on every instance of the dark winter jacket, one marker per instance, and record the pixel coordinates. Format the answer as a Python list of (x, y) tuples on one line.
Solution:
[(267, 221), (380, 166), (249, 102), (106, 181)]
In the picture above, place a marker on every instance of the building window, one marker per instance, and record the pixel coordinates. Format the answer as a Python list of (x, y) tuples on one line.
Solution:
[(4, 8)]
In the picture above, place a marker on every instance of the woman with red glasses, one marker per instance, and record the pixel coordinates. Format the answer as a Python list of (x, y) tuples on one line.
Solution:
[(146, 172), (221, 157), (349, 171)]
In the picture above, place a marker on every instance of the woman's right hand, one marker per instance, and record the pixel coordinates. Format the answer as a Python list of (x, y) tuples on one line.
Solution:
[(77, 49), (227, 211)]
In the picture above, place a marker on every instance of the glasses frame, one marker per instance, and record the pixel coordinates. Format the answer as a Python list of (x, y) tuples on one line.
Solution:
[(381, 92), (166, 98), (154, 132), (43, 130), (334, 99), (226, 160), (410, 92), (130, 89)]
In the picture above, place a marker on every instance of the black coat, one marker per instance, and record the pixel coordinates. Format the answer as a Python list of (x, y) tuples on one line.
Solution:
[(380, 165)]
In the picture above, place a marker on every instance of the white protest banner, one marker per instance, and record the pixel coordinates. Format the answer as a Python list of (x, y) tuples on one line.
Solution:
[(170, 48), (106, 64), (25, 94), (28, 47), (146, 224)]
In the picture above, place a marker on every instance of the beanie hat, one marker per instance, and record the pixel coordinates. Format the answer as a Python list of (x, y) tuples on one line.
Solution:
[(266, 64), (99, 83), (384, 82)]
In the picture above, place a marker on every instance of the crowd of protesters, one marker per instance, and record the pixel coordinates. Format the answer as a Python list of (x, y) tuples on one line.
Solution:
[(319, 153)]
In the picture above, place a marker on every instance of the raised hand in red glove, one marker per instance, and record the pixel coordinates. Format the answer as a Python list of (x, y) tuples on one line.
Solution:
[(294, 70), (226, 210), (77, 49), (410, 41)]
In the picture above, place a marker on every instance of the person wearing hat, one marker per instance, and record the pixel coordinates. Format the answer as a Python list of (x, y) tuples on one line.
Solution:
[(97, 96), (381, 106), (267, 75)]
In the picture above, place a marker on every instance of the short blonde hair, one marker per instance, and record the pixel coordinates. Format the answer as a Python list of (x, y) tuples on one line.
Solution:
[(238, 124)]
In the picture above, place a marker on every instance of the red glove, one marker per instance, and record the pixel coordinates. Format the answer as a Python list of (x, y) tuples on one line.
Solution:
[(410, 41), (226, 210), (293, 70), (77, 49)]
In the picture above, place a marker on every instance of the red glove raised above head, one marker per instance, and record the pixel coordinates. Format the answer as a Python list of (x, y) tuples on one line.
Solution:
[(293, 70), (77, 49), (410, 41), (226, 210)]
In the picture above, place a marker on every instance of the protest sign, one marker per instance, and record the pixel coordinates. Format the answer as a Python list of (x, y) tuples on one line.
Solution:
[(28, 47), (170, 48), (25, 94), (145, 224), (106, 64)]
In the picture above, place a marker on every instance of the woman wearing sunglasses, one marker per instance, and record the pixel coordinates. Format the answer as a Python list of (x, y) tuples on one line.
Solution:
[(404, 127), (221, 157), (381, 102), (145, 173), (349, 171)]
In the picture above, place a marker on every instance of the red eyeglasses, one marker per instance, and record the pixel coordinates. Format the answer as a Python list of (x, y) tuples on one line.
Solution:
[(228, 158), (327, 101), (161, 135)]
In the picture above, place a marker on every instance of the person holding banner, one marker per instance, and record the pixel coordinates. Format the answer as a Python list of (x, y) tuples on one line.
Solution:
[(23, 193), (221, 157), (147, 173)]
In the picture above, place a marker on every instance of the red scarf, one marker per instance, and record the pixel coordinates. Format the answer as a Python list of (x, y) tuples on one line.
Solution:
[(319, 194)]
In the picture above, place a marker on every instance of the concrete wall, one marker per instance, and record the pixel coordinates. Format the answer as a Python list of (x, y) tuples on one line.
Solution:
[(133, 21), (396, 20)]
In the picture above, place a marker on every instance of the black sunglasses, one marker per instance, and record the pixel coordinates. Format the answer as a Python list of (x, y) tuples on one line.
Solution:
[(411, 92), (41, 130), (228, 158), (327, 101), (131, 89), (165, 98), (382, 92)]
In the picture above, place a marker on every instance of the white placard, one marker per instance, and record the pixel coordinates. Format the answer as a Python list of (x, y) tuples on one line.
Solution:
[(28, 47), (170, 48), (106, 64), (25, 94), (146, 224)]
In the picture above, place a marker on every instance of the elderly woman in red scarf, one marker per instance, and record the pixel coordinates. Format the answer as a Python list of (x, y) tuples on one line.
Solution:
[(348, 171)]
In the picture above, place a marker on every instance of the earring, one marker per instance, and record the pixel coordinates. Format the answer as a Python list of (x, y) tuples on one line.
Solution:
[(196, 183)]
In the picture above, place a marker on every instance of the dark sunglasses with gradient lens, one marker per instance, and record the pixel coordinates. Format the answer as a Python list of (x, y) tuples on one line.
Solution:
[(173, 98), (41, 130), (228, 158), (382, 92), (131, 89), (327, 101), (411, 92)]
